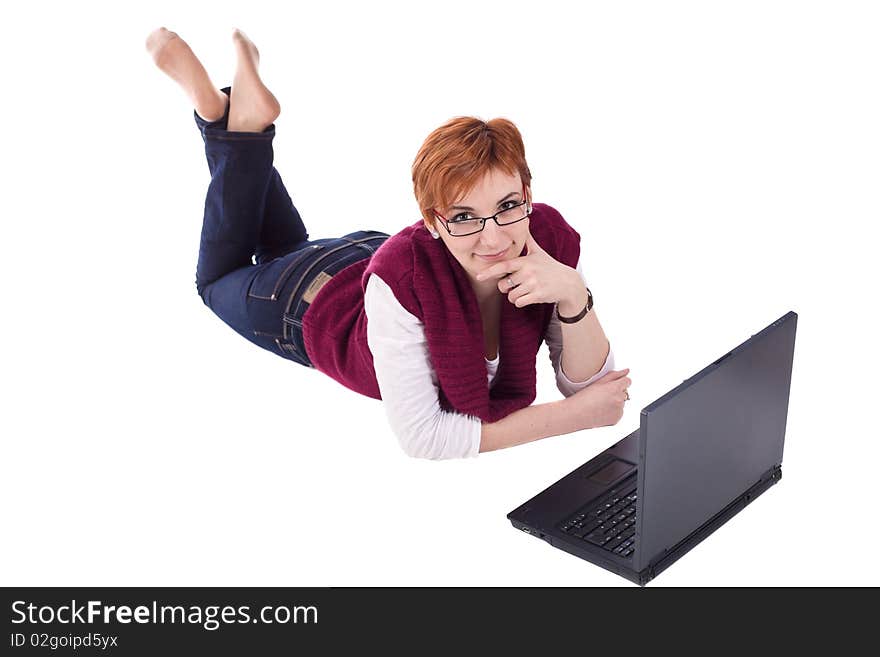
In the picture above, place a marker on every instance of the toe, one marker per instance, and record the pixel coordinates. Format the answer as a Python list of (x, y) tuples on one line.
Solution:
[(159, 37)]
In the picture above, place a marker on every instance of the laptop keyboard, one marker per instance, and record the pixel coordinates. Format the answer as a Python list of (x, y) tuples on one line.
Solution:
[(609, 523)]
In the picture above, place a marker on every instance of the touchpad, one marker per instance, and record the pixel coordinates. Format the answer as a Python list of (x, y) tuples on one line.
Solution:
[(611, 472)]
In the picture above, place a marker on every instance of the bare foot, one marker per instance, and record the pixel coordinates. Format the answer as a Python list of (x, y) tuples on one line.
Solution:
[(252, 107), (174, 57)]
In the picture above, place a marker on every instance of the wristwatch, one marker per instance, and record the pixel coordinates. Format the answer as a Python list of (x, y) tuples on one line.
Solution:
[(581, 314)]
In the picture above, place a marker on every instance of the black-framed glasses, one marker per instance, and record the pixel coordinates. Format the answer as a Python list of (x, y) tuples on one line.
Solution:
[(462, 224)]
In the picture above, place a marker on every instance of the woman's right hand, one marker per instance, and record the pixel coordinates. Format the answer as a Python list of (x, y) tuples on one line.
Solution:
[(600, 404)]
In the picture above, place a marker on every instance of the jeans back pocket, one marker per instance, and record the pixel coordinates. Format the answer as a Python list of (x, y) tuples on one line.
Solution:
[(269, 281)]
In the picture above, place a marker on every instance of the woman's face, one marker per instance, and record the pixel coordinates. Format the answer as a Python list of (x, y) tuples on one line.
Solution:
[(493, 193)]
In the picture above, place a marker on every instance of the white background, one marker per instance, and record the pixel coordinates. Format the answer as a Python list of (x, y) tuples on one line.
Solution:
[(719, 159)]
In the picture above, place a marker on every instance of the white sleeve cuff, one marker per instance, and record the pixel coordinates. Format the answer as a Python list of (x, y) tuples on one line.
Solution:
[(568, 387)]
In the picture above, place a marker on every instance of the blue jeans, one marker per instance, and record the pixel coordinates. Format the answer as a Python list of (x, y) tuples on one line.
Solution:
[(256, 261)]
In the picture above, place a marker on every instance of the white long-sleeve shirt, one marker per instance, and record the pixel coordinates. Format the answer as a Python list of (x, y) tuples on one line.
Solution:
[(408, 383)]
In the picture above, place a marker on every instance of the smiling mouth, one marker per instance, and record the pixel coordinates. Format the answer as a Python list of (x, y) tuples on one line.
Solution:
[(493, 255)]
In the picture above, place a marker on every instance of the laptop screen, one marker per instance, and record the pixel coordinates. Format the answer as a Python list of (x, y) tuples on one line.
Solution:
[(713, 437)]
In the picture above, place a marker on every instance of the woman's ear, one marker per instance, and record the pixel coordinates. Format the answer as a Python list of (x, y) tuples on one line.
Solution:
[(431, 227)]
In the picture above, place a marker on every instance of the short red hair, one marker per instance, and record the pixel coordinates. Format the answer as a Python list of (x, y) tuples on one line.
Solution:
[(456, 156)]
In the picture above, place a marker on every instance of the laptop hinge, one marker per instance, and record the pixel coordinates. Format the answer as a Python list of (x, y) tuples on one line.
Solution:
[(660, 564)]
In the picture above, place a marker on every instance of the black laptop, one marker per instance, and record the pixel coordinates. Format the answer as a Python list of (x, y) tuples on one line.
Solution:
[(702, 452)]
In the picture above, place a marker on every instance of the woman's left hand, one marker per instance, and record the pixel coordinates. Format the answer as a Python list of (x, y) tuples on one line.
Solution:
[(536, 278)]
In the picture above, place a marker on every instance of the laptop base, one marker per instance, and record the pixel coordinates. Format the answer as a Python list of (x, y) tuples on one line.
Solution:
[(579, 548)]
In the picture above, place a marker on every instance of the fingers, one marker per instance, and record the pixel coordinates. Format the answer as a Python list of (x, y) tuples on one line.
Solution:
[(504, 285), (611, 376), (501, 269), (624, 384), (525, 300), (619, 381)]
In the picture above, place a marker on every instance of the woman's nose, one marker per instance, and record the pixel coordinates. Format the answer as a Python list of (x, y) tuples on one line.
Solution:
[(491, 231)]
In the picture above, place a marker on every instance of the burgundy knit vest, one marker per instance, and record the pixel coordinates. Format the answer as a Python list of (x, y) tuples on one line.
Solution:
[(428, 281)]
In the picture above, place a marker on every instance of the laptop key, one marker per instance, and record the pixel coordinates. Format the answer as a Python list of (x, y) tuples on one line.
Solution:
[(614, 543), (591, 527), (580, 532)]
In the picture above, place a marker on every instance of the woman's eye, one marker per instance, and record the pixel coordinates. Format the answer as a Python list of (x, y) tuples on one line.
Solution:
[(464, 216)]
